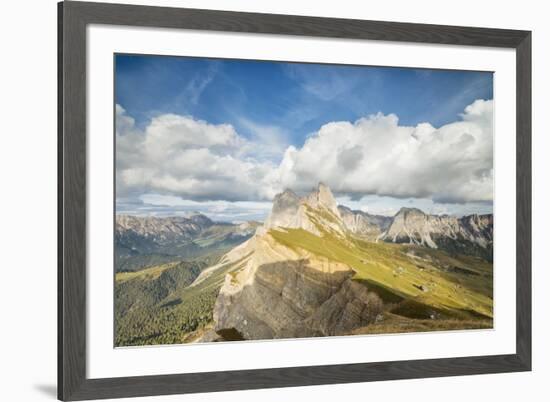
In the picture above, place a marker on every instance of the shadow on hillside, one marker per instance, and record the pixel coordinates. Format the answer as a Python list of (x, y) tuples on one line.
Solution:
[(292, 299)]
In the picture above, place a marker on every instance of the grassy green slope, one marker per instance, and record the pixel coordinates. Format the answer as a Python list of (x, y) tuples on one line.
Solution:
[(457, 286)]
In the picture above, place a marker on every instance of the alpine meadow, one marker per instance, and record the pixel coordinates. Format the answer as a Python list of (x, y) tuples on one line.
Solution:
[(264, 200)]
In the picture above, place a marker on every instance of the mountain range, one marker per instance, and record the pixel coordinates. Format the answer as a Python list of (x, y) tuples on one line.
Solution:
[(313, 268), (470, 234), (144, 241)]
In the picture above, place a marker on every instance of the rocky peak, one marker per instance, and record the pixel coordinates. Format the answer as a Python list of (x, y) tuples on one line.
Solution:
[(478, 220), (284, 210), (322, 197), (405, 212), (472, 233), (291, 211), (162, 227), (287, 198), (363, 224), (200, 219)]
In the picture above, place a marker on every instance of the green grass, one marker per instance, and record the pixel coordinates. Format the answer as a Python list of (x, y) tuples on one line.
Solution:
[(390, 267), (145, 274), (393, 323)]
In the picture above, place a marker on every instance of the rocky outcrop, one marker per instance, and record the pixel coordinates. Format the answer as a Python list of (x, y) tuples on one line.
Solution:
[(363, 224), (146, 241), (411, 225), (317, 212), (283, 293), (478, 228), (284, 210), (323, 198), (162, 229), (352, 306)]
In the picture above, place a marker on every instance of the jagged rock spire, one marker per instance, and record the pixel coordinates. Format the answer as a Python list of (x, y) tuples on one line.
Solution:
[(323, 197), (291, 211)]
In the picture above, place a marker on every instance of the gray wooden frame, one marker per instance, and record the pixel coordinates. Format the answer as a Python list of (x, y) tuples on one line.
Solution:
[(73, 18)]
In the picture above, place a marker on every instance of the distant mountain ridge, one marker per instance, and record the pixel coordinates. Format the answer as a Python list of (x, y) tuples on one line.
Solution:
[(163, 228), (363, 224), (145, 241), (470, 234)]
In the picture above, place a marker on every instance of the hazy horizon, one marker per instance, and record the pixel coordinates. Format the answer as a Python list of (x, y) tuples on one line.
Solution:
[(165, 211)]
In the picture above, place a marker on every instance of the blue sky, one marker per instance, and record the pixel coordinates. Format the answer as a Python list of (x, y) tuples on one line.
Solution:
[(274, 105), (296, 98)]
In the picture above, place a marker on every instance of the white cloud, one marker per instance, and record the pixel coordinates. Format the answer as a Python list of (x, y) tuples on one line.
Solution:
[(167, 134), (192, 159), (188, 158), (376, 155)]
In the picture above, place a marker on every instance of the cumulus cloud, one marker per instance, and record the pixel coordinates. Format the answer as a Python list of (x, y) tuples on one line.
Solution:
[(375, 155), (192, 159)]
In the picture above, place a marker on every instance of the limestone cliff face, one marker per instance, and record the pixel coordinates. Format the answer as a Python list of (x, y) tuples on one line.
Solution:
[(323, 198), (478, 229), (411, 225), (363, 224), (283, 293), (284, 210), (162, 229), (315, 212)]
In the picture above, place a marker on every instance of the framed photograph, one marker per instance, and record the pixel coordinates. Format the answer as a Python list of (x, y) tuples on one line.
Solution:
[(256, 201)]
